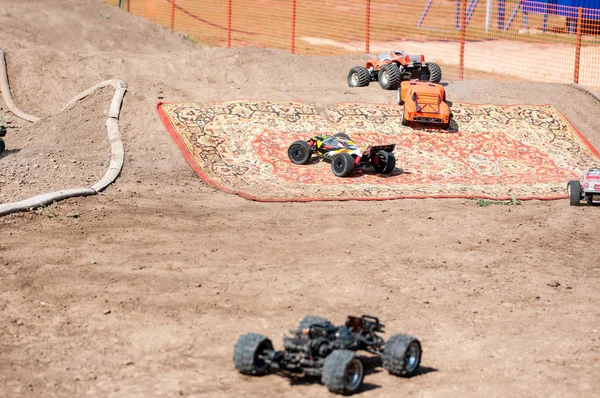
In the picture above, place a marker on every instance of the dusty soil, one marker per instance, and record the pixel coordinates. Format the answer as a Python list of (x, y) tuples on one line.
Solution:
[(142, 291)]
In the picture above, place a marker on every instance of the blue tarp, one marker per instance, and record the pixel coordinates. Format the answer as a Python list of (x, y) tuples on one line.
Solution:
[(564, 8)]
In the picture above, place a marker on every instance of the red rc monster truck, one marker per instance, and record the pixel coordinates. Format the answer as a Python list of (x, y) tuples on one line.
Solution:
[(390, 68), (588, 188), (318, 348), (424, 102)]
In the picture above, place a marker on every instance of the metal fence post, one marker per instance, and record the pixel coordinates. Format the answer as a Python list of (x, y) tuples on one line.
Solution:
[(294, 27), (229, 25), (368, 27), (173, 14), (578, 46), (463, 30)]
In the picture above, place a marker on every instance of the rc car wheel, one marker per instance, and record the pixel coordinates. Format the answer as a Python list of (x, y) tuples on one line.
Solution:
[(247, 352), (299, 152), (435, 72), (2, 145), (359, 76), (574, 191), (402, 355), (386, 162), (342, 372), (404, 121), (389, 77), (310, 320), (342, 164), (399, 97)]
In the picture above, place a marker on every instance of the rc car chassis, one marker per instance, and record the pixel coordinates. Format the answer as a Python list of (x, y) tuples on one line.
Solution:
[(343, 153), (317, 348), (588, 188), (390, 68)]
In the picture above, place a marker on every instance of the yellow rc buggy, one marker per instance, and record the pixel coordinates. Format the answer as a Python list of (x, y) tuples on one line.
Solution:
[(344, 154)]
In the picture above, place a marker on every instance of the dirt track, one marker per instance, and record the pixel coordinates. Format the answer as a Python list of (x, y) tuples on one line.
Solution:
[(143, 291)]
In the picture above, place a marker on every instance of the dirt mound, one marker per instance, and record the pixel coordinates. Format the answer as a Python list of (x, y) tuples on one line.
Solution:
[(142, 291)]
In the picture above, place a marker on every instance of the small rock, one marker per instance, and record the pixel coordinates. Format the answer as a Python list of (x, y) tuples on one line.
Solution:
[(554, 283), (106, 312)]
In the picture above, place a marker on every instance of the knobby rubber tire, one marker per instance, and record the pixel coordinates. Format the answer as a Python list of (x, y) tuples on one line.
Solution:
[(574, 188), (435, 72), (245, 353), (359, 76), (394, 355), (334, 372), (393, 77), (310, 320)]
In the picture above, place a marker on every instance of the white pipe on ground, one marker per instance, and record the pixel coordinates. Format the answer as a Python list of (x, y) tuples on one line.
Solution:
[(8, 99), (114, 136)]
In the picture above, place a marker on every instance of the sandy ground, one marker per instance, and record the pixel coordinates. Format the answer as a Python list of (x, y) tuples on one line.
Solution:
[(142, 291)]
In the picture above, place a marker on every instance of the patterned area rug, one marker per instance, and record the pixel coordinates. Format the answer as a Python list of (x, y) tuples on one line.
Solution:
[(491, 151)]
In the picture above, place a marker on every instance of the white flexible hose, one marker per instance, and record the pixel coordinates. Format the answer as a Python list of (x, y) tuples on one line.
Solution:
[(8, 99), (114, 136)]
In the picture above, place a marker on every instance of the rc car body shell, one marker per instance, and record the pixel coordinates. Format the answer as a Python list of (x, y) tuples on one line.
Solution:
[(424, 102), (394, 56)]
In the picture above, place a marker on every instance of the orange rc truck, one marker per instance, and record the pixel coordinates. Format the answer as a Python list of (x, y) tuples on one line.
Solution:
[(424, 102), (390, 68)]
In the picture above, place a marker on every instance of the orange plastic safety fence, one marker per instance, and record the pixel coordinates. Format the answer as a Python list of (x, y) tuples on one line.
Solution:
[(471, 39)]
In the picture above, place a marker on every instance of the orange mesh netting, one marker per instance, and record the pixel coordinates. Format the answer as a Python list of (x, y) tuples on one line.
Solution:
[(515, 39)]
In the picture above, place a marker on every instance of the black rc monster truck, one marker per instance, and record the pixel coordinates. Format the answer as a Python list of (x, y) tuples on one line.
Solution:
[(318, 348)]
